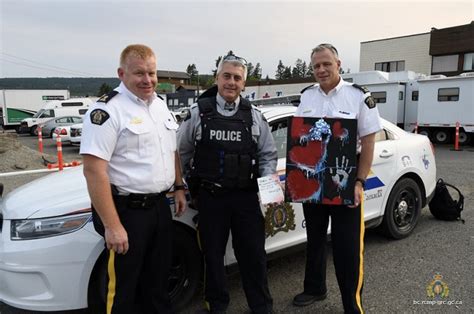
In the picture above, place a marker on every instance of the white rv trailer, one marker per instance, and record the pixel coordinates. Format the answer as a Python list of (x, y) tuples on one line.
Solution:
[(434, 104), (443, 102)]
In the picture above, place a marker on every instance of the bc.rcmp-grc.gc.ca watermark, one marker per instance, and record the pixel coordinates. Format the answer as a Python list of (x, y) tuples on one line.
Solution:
[(438, 293)]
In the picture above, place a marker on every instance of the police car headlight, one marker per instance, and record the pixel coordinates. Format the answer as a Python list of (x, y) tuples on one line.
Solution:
[(28, 229)]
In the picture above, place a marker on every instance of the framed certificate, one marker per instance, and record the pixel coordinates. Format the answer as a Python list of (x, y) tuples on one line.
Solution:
[(321, 160)]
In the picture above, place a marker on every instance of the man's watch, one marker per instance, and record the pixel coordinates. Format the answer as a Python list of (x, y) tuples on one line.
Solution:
[(362, 181), (179, 187)]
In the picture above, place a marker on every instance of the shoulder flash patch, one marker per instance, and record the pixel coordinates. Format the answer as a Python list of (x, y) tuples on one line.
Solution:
[(370, 102), (106, 97), (99, 116), (363, 89), (307, 87)]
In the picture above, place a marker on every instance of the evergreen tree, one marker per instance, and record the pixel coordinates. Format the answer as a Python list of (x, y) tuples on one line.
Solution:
[(309, 71), (104, 89), (280, 71), (257, 72), (192, 72), (299, 69), (250, 69), (286, 73)]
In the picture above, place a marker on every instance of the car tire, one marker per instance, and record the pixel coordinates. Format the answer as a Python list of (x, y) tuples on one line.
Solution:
[(441, 137), (464, 138), (186, 270), (425, 132), (403, 209), (33, 130), (185, 278)]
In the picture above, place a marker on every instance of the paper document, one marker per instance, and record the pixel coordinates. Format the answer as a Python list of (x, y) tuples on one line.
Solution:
[(270, 189)]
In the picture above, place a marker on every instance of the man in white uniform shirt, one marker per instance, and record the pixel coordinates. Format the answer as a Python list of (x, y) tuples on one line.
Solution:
[(130, 162), (335, 98)]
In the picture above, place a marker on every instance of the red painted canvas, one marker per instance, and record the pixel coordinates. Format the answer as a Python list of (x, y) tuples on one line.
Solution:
[(321, 160)]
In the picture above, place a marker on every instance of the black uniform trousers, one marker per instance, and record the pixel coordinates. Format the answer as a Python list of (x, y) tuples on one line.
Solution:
[(347, 237), (137, 282), (237, 211)]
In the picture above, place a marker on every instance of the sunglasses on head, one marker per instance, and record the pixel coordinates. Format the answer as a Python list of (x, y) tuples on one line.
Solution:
[(235, 58)]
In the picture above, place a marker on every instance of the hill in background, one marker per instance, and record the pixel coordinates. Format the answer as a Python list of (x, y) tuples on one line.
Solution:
[(78, 86)]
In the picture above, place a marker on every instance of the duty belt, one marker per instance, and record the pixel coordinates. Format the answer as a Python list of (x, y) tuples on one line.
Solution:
[(136, 200)]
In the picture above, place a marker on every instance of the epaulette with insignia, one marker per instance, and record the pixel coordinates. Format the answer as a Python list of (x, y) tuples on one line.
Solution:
[(307, 87), (363, 89), (107, 97), (369, 100)]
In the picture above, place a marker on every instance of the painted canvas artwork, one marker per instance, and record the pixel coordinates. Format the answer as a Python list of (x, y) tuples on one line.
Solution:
[(321, 160)]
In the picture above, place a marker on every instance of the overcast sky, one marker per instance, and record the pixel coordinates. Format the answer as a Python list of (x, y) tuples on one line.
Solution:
[(83, 38)]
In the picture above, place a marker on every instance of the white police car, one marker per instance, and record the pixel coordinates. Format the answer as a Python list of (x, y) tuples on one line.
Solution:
[(50, 254)]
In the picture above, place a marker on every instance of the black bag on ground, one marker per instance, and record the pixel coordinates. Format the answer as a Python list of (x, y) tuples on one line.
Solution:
[(443, 206)]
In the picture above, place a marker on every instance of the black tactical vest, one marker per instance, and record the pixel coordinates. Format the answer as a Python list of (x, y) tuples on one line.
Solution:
[(226, 154)]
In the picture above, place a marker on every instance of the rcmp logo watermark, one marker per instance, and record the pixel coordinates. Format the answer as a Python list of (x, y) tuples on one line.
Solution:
[(437, 292), (279, 217)]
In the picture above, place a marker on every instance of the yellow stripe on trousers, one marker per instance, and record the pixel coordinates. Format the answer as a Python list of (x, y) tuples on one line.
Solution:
[(361, 254), (112, 281)]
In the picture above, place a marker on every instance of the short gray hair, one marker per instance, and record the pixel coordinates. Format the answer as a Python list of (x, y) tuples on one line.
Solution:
[(321, 47), (234, 60)]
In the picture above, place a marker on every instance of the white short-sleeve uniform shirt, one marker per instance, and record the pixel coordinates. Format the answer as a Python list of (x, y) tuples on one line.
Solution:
[(137, 139), (343, 101)]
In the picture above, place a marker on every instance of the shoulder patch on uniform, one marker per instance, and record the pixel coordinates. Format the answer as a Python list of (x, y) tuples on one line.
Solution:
[(363, 89), (307, 87), (370, 102), (107, 97), (99, 116)]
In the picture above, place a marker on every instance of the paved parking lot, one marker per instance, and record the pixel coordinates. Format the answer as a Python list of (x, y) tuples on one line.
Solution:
[(396, 272)]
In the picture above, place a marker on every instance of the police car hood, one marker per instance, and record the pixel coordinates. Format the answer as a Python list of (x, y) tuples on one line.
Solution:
[(56, 194)]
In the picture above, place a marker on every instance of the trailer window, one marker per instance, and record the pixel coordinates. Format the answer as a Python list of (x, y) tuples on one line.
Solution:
[(448, 94), (379, 97), (414, 95)]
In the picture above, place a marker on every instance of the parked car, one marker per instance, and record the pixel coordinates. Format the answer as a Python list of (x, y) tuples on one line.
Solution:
[(47, 129), (76, 132), (64, 132), (51, 258)]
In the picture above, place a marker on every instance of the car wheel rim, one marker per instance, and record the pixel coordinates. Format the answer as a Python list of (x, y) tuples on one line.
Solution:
[(405, 210)]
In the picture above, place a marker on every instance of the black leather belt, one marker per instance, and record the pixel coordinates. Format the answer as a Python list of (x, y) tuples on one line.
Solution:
[(137, 200)]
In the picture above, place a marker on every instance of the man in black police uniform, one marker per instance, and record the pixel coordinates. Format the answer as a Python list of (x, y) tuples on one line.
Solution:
[(335, 98), (225, 144)]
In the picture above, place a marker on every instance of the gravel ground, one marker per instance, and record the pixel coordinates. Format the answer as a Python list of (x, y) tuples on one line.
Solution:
[(20, 153)]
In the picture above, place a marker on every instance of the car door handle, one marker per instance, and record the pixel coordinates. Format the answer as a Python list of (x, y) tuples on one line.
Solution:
[(385, 154)]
